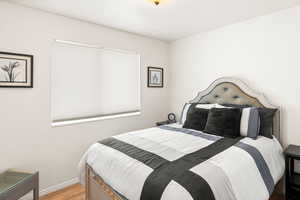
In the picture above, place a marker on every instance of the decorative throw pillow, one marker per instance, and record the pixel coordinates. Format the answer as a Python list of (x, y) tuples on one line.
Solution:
[(184, 112), (266, 121), (224, 122), (250, 122), (187, 106), (196, 118)]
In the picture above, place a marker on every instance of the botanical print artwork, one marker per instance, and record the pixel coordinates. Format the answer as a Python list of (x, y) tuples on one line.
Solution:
[(12, 70), (16, 70), (155, 77)]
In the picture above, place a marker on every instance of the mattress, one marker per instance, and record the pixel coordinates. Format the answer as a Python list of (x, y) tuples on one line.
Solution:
[(173, 163)]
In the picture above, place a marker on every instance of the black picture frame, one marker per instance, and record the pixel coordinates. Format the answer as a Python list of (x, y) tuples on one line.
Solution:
[(28, 61), (159, 83)]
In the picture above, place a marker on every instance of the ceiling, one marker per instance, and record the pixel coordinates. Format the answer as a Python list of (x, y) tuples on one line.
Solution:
[(173, 19)]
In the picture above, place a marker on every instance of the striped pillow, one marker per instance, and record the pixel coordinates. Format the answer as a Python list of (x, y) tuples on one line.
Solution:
[(250, 122), (184, 113), (197, 105), (250, 119)]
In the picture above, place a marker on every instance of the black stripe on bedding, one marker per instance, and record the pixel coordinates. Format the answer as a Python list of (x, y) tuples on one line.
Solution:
[(195, 185), (150, 159), (260, 162), (178, 171)]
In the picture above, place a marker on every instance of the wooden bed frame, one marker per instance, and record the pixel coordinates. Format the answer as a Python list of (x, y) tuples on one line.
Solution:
[(224, 90), (96, 188)]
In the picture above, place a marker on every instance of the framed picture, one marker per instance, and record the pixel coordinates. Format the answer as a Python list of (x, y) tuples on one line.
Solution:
[(155, 77), (16, 70)]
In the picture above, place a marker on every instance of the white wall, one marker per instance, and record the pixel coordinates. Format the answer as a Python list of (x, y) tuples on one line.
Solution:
[(265, 52), (27, 140)]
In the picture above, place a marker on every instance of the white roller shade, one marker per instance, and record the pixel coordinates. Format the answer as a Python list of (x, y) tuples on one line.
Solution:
[(92, 82)]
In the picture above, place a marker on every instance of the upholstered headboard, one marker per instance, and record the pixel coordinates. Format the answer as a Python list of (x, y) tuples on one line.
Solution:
[(229, 90)]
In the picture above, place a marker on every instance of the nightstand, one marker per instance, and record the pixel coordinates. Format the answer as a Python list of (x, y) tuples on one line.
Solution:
[(292, 179), (165, 123), (14, 184)]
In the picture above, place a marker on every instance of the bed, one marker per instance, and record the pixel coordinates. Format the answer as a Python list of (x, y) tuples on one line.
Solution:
[(174, 163)]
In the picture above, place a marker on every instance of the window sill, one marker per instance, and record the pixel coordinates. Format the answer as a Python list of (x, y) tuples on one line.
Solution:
[(92, 119)]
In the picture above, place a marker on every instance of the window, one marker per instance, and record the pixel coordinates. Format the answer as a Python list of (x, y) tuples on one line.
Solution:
[(91, 83)]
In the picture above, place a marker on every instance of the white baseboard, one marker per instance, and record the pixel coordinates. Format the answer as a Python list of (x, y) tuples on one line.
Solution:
[(52, 188)]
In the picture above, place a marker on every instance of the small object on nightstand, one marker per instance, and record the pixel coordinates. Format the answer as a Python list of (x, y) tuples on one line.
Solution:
[(172, 117), (171, 120), (14, 184), (292, 179)]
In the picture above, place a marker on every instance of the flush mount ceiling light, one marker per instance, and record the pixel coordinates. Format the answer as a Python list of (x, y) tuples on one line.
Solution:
[(157, 2)]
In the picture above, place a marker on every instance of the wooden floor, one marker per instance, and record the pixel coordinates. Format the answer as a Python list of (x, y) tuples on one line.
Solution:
[(76, 192)]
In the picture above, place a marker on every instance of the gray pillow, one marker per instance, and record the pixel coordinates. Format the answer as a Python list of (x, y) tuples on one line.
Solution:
[(266, 121)]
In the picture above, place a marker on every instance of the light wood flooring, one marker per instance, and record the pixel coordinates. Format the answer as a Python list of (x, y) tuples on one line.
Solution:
[(76, 192)]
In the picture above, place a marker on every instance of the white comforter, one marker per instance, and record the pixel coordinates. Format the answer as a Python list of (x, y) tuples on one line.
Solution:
[(246, 171)]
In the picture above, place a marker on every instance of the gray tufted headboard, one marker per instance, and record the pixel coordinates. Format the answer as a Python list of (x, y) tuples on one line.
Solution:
[(229, 90)]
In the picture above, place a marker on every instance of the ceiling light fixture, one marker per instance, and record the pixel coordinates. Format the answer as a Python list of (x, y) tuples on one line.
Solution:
[(157, 2)]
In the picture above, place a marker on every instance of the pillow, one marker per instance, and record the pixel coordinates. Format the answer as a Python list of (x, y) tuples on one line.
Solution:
[(197, 105), (224, 122), (184, 112), (206, 106), (196, 118), (250, 122), (266, 121), (220, 106), (266, 116), (236, 105)]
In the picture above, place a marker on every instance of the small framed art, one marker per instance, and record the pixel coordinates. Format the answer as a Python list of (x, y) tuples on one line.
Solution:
[(16, 70), (155, 77)]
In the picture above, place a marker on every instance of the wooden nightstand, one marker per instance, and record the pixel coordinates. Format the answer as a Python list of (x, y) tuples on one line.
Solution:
[(14, 184), (165, 123), (292, 179)]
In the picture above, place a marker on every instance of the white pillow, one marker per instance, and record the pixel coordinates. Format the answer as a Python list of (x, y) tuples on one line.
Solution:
[(207, 106), (184, 112), (220, 106)]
